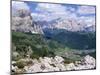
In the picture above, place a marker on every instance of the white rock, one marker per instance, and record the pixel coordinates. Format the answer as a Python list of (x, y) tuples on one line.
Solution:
[(41, 59), (26, 68), (14, 68), (56, 69), (58, 59), (13, 62), (47, 64), (15, 54), (48, 60), (61, 67), (70, 66), (89, 60), (48, 70), (35, 61), (34, 68)]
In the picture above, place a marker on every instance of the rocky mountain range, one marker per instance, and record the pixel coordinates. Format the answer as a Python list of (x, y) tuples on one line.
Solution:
[(24, 22)]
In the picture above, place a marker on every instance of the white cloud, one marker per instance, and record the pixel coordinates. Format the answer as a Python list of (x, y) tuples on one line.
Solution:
[(49, 12), (50, 7), (86, 10)]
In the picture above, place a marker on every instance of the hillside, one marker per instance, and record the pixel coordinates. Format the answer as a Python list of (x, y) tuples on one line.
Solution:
[(75, 40), (33, 53), (37, 45)]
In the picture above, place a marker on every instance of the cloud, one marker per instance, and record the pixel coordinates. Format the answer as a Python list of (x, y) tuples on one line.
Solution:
[(50, 12), (51, 7), (82, 10), (85, 12)]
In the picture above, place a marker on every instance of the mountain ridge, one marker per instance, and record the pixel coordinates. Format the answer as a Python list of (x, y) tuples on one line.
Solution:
[(25, 23)]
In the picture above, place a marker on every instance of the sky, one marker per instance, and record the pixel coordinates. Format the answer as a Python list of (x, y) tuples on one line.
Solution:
[(51, 11)]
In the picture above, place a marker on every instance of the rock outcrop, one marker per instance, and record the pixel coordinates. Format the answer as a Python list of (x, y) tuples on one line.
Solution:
[(23, 22), (49, 64)]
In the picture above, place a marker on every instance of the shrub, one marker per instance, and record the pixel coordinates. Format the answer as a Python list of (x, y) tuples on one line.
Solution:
[(34, 56), (20, 64)]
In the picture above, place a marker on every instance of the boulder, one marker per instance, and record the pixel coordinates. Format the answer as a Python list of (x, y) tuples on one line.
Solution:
[(34, 68), (61, 67), (48, 60), (14, 68), (35, 61), (15, 54), (13, 62), (70, 66), (56, 69), (88, 60), (58, 59)]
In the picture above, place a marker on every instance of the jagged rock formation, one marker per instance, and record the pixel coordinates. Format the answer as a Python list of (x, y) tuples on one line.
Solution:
[(23, 22), (69, 24), (50, 64), (37, 29)]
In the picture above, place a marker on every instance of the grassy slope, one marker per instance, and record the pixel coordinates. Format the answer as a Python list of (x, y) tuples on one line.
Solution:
[(41, 46)]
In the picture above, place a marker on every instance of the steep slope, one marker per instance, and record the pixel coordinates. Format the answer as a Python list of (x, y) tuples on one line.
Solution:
[(67, 46), (39, 45), (23, 22), (76, 40)]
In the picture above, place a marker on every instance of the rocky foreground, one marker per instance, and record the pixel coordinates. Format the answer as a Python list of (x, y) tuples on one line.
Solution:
[(49, 64)]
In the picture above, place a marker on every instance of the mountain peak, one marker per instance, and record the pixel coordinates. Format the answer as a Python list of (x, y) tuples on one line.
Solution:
[(23, 22)]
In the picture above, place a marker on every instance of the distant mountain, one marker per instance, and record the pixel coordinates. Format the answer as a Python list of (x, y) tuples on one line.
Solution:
[(24, 22), (67, 24), (72, 25), (91, 28), (75, 40)]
